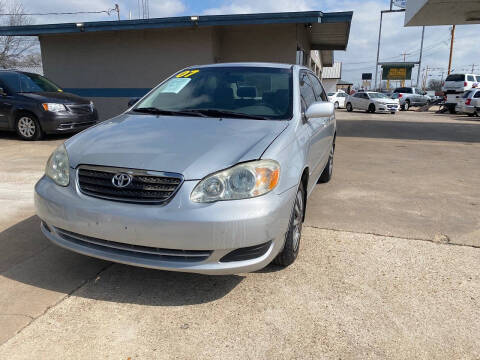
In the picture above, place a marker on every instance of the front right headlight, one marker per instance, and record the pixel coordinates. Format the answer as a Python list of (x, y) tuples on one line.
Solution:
[(58, 167)]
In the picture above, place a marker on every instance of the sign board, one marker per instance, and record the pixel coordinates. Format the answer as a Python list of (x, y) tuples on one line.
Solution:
[(367, 76), (397, 72)]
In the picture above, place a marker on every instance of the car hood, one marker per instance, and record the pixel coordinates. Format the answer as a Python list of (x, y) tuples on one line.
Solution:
[(386, 101), (57, 97), (192, 146)]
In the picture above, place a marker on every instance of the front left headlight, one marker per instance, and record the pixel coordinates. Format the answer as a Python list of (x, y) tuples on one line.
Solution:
[(243, 181), (58, 167), (54, 107)]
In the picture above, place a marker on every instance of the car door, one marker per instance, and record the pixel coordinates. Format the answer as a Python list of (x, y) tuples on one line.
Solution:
[(6, 105), (316, 125), (342, 99), (329, 125), (362, 101)]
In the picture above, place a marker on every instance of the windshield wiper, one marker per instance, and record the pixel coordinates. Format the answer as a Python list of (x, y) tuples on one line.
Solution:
[(226, 113), (157, 111)]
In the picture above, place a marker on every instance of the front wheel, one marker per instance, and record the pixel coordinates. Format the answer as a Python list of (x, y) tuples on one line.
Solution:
[(349, 107), (292, 238), (406, 107), (28, 127), (371, 108)]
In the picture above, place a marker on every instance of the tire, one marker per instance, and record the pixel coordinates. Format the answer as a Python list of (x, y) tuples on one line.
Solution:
[(336, 105), (371, 108), (349, 107), (328, 171), (452, 110), (406, 107), (28, 127), (294, 233), (471, 115)]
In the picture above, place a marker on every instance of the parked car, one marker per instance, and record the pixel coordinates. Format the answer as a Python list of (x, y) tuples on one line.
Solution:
[(210, 172), (455, 86), (410, 96), (32, 105), (372, 102), (470, 103), (338, 98)]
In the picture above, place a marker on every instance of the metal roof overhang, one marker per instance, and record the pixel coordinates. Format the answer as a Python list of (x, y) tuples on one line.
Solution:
[(442, 12), (329, 31)]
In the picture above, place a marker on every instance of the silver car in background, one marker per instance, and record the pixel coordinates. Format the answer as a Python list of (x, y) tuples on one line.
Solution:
[(209, 173)]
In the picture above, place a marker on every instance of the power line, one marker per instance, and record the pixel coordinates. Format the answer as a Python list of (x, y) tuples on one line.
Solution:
[(109, 11)]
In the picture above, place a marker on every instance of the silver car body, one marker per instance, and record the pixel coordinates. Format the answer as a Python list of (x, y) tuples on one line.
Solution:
[(363, 100), (414, 97), (193, 147), (470, 102)]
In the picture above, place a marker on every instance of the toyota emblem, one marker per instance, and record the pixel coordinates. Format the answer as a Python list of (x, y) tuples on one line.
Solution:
[(121, 180)]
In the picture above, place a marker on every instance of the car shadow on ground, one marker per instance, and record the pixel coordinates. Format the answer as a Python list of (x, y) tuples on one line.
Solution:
[(26, 256), (410, 130)]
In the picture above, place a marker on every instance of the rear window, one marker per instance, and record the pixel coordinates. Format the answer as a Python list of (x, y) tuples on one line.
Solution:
[(467, 94), (456, 77), (404, 90)]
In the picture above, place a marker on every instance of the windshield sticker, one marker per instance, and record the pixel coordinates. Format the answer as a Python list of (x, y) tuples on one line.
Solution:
[(174, 86), (187, 73)]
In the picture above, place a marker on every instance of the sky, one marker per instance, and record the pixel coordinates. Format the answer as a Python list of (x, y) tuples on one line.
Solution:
[(360, 55)]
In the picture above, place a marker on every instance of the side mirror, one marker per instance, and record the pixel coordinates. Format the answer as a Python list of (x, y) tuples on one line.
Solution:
[(132, 101), (320, 110)]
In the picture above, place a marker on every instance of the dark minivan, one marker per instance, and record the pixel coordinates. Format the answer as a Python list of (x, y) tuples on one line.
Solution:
[(32, 105)]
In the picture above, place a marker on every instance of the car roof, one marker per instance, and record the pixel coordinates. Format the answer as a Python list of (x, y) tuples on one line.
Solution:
[(247, 64)]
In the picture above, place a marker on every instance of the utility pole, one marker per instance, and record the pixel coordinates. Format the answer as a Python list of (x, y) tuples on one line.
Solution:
[(117, 9), (420, 59), (404, 54), (473, 68), (451, 50)]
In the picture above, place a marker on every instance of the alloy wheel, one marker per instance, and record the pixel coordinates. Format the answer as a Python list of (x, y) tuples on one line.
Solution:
[(27, 126)]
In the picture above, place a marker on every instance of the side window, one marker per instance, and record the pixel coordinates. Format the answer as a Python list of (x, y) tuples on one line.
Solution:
[(471, 78), (318, 88), (306, 89), (477, 95)]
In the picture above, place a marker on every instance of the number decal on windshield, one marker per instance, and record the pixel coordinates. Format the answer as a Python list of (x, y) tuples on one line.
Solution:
[(187, 73)]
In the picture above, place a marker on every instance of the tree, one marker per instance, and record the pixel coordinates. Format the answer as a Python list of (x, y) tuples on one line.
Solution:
[(435, 85), (16, 50)]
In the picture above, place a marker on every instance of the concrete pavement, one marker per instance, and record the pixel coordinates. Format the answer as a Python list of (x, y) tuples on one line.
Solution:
[(411, 291)]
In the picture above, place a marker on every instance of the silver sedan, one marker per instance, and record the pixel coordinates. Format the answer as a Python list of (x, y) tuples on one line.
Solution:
[(210, 172)]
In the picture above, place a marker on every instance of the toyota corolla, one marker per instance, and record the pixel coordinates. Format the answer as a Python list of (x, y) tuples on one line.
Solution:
[(210, 172)]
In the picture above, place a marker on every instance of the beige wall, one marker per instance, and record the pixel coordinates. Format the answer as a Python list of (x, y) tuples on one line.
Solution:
[(143, 58)]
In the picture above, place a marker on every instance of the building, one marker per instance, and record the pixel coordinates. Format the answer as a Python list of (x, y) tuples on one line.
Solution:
[(112, 61), (331, 76), (344, 85), (442, 12)]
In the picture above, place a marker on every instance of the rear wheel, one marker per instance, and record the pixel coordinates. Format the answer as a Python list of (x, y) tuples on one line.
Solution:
[(328, 171), (28, 127), (349, 107), (406, 107), (292, 238), (452, 110)]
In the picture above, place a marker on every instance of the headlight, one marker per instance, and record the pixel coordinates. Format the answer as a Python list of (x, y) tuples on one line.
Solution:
[(58, 167), (53, 107), (242, 181)]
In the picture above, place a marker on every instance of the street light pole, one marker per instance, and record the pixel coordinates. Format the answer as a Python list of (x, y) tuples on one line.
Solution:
[(378, 49)]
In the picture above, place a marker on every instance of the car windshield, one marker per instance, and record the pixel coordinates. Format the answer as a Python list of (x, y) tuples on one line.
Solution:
[(27, 82), (377, 96), (455, 77), (242, 92)]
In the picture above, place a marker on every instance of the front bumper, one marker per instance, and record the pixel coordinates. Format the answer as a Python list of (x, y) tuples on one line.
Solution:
[(181, 225), (387, 108), (56, 123)]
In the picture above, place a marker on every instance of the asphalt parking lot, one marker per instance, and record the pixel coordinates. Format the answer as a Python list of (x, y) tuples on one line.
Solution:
[(388, 266)]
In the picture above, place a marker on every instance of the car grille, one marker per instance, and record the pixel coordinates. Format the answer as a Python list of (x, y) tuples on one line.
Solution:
[(146, 187), (145, 252), (392, 106), (80, 109)]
